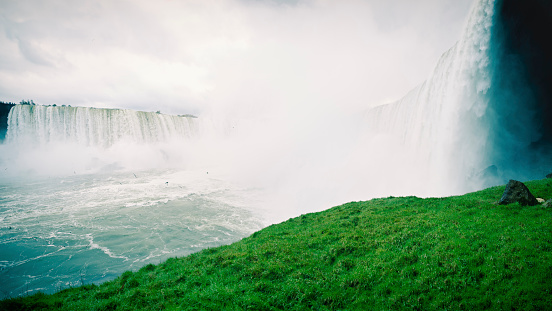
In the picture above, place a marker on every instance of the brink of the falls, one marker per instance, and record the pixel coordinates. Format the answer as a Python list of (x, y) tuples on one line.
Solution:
[(93, 127)]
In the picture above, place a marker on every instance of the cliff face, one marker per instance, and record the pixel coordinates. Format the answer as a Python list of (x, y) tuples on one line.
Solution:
[(4, 112), (523, 29), (519, 113)]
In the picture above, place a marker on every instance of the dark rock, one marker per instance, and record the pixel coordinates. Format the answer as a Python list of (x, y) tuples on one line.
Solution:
[(490, 176), (4, 112), (491, 171), (549, 175), (516, 191)]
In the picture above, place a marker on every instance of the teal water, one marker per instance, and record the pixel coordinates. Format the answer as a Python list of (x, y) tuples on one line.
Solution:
[(67, 231)]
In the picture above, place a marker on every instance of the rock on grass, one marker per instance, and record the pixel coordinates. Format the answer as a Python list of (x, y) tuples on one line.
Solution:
[(516, 191)]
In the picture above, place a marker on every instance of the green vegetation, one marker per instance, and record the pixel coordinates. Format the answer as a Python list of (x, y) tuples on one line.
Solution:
[(456, 253), (27, 102)]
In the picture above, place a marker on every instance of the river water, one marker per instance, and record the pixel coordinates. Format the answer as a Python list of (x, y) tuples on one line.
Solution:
[(57, 232)]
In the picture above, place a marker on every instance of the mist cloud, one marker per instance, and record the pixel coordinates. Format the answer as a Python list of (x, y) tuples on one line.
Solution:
[(221, 56), (284, 79)]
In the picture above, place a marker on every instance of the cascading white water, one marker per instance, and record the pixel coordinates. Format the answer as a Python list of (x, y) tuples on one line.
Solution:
[(440, 123), (94, 127), (56, 141)]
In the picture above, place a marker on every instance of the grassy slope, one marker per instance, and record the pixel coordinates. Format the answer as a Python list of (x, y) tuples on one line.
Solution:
[(461, 252)]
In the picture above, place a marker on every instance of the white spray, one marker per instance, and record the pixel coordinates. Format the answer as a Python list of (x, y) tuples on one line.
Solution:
[(428, 143), (438, 127)]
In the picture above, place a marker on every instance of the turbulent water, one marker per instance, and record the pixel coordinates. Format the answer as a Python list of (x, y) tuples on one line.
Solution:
[(87, 193), (67, 231)]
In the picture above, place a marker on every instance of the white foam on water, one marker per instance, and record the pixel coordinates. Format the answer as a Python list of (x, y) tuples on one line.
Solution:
[(104, 249), (59, 224)]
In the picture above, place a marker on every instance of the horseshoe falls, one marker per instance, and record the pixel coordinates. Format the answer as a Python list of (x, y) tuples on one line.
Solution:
[(80, 139), (93, 127), (88, 193), (484, 114)]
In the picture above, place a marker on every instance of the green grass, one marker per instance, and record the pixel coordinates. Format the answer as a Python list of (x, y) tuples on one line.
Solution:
[(456, 253)]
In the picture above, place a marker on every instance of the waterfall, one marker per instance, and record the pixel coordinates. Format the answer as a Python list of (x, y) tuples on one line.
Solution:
[(482, 117), (473, 123), (53, 140), (94, 127), (439, 122)]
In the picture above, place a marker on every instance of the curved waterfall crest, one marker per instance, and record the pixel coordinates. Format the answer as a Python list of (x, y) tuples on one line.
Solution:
[(441, 123), (94, 126)]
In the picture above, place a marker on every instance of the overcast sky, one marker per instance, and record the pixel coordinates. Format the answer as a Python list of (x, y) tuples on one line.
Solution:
[(193, 56)]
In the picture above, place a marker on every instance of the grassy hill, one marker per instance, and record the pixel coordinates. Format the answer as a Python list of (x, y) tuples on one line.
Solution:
[(456, 253)]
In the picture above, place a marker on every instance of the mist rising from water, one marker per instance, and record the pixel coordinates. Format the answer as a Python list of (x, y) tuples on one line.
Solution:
[(442, 138)]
